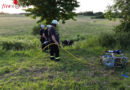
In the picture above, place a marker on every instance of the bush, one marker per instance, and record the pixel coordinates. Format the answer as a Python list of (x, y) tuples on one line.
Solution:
[(90, 46), (2, 52), (123, 39), (12, 45), (79, 38), (89, 13), (15, 45), (107, 40), (7, 69), (118, 40), (98, 13), (98, 17), (18, 45), (123, 28), (36, 29)]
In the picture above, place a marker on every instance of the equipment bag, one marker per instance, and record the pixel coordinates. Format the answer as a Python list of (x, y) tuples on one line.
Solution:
[(112, 59)]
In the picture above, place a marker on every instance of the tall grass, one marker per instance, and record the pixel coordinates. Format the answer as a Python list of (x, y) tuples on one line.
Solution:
[(115, 41), (36, 29), (19, 43), (30, 69)]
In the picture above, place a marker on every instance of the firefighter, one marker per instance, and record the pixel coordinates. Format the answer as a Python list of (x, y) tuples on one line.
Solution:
[(46, 33), (42, 35), (54, 38)]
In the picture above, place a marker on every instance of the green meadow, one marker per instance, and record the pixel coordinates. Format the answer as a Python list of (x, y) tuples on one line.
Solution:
[(23, 66)]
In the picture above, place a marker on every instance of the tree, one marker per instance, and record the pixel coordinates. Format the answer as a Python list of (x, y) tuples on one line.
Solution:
[(120, 8), (99, 13), (48, 10), (89, 13)]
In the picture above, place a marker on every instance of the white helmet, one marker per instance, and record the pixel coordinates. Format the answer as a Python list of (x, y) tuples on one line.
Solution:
[(55, 22), (42, 26), (49, 26)]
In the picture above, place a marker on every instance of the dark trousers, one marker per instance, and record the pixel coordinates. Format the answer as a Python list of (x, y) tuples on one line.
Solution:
[(42, 40), (45, 46), (54, 51)]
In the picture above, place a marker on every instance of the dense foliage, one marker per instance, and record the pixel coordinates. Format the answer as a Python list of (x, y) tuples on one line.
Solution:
[(94, 15), (121, 8), (48, 10)]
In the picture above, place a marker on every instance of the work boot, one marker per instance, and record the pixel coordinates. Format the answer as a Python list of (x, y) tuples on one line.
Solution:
[(45, 51), (52, 57), (57, 59)]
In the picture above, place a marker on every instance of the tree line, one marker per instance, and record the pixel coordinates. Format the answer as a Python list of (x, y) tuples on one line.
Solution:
[(95, 15), (98, 15)]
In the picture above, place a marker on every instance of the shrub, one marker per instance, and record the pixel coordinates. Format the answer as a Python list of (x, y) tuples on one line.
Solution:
[(118, 40), (12, 45), (7, 69), (36, 29), (17, 45), (2, 52), (89, 13), (79, 38), (122, 28), (98, 17), (107, 40), (99, 13), (123, 40), (90, 46)]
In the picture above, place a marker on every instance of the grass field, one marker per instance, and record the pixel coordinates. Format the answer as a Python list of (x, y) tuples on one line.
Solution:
[(30, 69)]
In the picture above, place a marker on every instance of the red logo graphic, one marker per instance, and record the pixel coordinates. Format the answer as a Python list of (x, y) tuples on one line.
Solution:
[(15, 2), (14, 5)]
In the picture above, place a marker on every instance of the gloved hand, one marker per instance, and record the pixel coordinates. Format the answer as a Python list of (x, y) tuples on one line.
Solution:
[(46, 42)]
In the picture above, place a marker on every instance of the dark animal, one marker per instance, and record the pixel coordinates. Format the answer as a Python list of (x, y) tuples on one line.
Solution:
[(67, 43)]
